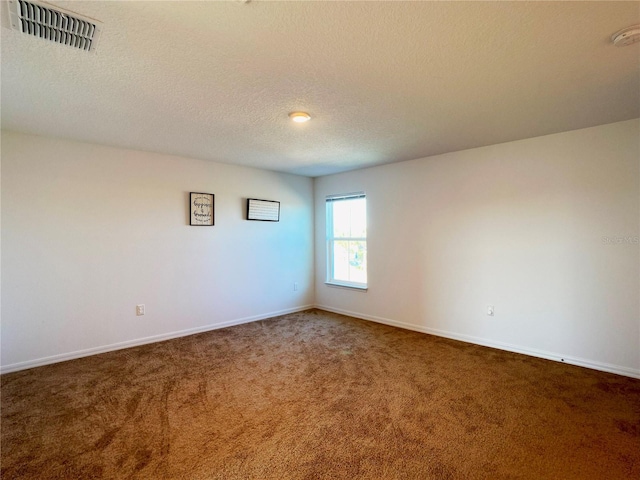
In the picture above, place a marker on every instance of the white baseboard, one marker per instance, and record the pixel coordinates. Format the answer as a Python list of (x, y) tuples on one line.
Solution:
[(604, 367), (63, 357)]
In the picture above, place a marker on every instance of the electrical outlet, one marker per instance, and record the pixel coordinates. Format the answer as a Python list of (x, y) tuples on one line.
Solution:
[(295, 286), (140, 310), (490, 310)]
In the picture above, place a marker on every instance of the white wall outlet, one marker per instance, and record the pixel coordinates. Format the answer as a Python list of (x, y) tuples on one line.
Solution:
[(295, 286), (140, 309), (490, 310)]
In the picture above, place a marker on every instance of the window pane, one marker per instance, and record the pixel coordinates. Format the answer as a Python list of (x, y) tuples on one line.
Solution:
[(350, 218), (350, 261)]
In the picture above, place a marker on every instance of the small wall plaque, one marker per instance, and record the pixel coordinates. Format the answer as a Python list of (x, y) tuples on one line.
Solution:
[(201, 208), (263, 210)]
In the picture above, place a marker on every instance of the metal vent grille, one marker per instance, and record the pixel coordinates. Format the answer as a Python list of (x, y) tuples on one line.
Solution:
[(54, 24)]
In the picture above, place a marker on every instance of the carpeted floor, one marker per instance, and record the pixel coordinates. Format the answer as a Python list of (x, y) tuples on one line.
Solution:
[(315, 395)]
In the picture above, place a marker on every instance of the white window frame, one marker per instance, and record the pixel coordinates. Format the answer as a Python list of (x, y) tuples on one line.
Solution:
[(330, 238)]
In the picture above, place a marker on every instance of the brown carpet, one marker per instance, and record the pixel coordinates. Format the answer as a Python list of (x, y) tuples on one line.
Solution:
[(315, 395)]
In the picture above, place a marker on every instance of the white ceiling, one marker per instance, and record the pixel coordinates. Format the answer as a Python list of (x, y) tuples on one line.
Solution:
[(383, 81)]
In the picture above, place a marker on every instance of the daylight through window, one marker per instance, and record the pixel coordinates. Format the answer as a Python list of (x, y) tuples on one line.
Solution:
[(347, 240)]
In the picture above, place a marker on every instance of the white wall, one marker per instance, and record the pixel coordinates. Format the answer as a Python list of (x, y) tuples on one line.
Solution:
[(518, 225), (89, 231)]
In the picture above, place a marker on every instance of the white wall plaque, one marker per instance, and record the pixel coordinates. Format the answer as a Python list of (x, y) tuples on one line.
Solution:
[(264, 210)]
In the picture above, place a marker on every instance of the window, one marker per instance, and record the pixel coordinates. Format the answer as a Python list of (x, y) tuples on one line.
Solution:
[(347, 240)]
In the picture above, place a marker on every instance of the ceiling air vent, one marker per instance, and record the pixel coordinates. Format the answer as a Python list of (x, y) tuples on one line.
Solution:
[(54, 24)]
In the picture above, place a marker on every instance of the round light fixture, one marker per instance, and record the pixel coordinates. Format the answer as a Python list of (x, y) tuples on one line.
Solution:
[(300, 117), (626, 36)]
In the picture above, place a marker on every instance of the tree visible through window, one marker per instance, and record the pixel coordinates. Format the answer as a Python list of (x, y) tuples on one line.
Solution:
[(347, 240)]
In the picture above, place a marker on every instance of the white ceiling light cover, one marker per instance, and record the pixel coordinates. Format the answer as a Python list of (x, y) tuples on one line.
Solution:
[(626, 36), (54, 24)]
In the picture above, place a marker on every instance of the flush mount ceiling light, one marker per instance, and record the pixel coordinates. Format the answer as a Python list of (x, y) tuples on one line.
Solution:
[(300, 117), (626, 36)]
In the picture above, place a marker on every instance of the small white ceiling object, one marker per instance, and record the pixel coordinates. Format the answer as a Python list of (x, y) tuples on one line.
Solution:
[(626, 36), (55, 24), (386, 81), (300, 117)]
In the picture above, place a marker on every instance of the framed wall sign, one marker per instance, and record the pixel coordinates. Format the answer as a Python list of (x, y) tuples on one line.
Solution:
[(202, 208), (263, 210)]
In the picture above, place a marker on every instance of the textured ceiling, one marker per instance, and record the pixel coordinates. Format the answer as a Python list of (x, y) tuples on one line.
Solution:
[(383, 81)]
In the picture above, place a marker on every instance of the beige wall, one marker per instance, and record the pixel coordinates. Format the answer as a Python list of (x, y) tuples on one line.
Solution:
[(88, 232), (520, 226)]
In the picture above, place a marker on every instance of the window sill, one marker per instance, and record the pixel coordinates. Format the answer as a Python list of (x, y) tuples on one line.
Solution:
[(347, 286)]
